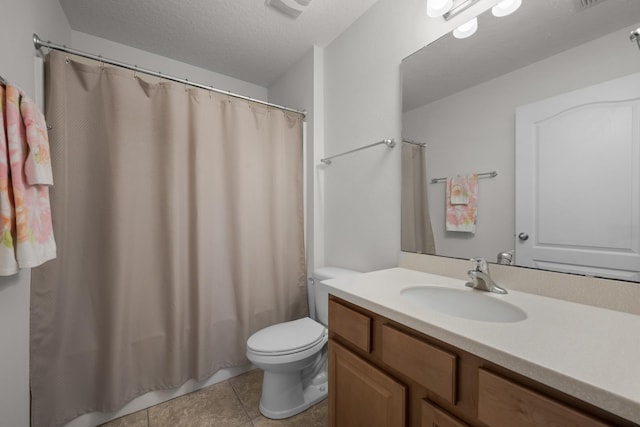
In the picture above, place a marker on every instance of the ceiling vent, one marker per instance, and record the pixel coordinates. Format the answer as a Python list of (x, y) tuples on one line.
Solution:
[(292, 8), (584, 4)]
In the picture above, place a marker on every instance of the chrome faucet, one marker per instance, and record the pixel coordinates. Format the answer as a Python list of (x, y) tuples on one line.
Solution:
[(480, 278)]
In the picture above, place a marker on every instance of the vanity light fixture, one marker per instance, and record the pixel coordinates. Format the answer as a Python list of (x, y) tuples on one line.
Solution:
[(292, 8), (458, 7), (451, 8), (467, 29), (635, 36), (437, 8), (505, 7)]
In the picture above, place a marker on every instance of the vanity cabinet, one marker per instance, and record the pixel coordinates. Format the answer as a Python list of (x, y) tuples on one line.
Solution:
[(361, 394), (382, 373), (503, 403), (432, 416)]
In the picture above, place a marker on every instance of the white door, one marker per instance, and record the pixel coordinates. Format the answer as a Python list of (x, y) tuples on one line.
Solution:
[(578, 181)]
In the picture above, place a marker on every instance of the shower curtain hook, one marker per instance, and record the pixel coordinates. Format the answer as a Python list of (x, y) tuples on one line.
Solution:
[(101, 63), (135, 72), (66, 59), (210, 90), (186, 82), (229, 96)]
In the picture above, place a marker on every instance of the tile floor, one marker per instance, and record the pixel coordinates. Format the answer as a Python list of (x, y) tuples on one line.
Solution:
[(231, 403)]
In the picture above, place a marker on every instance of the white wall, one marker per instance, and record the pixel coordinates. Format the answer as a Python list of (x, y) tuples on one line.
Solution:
[(108, 49), (18, 21), (362, 106), (485, 139)]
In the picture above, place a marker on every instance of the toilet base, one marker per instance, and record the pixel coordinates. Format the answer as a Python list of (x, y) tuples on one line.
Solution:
[(311, 395), (285, 394)]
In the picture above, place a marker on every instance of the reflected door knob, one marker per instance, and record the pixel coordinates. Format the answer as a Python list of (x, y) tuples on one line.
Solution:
[(523, 236)]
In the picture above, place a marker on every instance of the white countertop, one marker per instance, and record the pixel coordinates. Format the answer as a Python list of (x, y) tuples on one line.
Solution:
[(587, 352)]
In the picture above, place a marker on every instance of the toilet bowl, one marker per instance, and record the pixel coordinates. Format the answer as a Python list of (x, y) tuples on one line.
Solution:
[(293, 355)]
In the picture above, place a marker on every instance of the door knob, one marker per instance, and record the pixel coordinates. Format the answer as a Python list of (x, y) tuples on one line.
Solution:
[(523, 236)]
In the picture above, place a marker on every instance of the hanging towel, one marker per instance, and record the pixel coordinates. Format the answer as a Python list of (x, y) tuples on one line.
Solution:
[(37, 166), (8, 263), (27, 233), (462, 217), (459, 190)]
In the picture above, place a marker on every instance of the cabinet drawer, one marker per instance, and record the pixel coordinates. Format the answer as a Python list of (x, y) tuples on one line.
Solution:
[(504, 403), (351, 325), (432, 416), (427, 365)]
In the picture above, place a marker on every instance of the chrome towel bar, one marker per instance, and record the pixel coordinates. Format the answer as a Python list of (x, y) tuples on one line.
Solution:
[(491, 174), (388, 142)]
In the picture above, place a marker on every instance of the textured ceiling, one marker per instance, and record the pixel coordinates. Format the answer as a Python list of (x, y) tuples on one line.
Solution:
[(244, 39)]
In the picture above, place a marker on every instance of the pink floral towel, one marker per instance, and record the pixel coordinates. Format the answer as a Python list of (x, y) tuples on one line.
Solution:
[(37, 166), (25, 171), (462, 217)]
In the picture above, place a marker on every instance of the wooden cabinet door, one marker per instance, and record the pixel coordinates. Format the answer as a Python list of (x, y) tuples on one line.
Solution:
[(432, 416), (361, 395)]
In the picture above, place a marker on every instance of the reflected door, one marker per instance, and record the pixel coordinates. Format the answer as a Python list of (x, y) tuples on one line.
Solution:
[(578, 181)]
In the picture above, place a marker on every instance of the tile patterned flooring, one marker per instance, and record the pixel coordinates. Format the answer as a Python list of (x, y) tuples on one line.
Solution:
[(231, 403)]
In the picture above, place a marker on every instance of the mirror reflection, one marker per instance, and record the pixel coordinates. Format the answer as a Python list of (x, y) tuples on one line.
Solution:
[(549, 98)]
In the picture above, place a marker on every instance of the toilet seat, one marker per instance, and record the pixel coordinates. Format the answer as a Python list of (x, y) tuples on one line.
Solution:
[(287, 338)]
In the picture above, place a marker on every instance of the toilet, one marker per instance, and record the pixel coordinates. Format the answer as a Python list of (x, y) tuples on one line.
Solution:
[(293, 354)]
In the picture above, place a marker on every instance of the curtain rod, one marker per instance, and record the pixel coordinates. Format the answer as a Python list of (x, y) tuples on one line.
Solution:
[(388, 142), (419, 144), (39, 43), (491, 174)]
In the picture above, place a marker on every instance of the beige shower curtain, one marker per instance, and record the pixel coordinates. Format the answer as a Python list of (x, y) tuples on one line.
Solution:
[(417, 234), (179, 220)]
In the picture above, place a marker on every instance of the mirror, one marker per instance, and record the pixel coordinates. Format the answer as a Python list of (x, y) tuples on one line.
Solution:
[(462, 96)]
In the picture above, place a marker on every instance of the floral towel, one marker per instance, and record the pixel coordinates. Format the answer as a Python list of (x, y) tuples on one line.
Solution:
[(25, 171), (37, 166), (459, 190), (462, 217)]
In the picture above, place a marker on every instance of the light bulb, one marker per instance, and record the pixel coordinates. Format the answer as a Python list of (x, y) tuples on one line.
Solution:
[(466, 30), (437, 8), (505, 7)]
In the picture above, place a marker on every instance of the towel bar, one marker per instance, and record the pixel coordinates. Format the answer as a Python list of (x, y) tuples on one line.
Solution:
[(491, 174)]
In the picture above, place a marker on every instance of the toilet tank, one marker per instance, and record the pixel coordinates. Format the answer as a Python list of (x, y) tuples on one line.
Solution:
[(321, 292)]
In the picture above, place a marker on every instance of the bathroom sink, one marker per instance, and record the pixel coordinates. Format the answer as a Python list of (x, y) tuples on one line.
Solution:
[(466, 303)]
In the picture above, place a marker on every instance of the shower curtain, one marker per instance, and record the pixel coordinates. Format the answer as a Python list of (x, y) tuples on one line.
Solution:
[(179, 219), (416, 233)]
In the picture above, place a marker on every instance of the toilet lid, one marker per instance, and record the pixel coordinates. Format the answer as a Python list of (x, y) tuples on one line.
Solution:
[(287, 337)]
